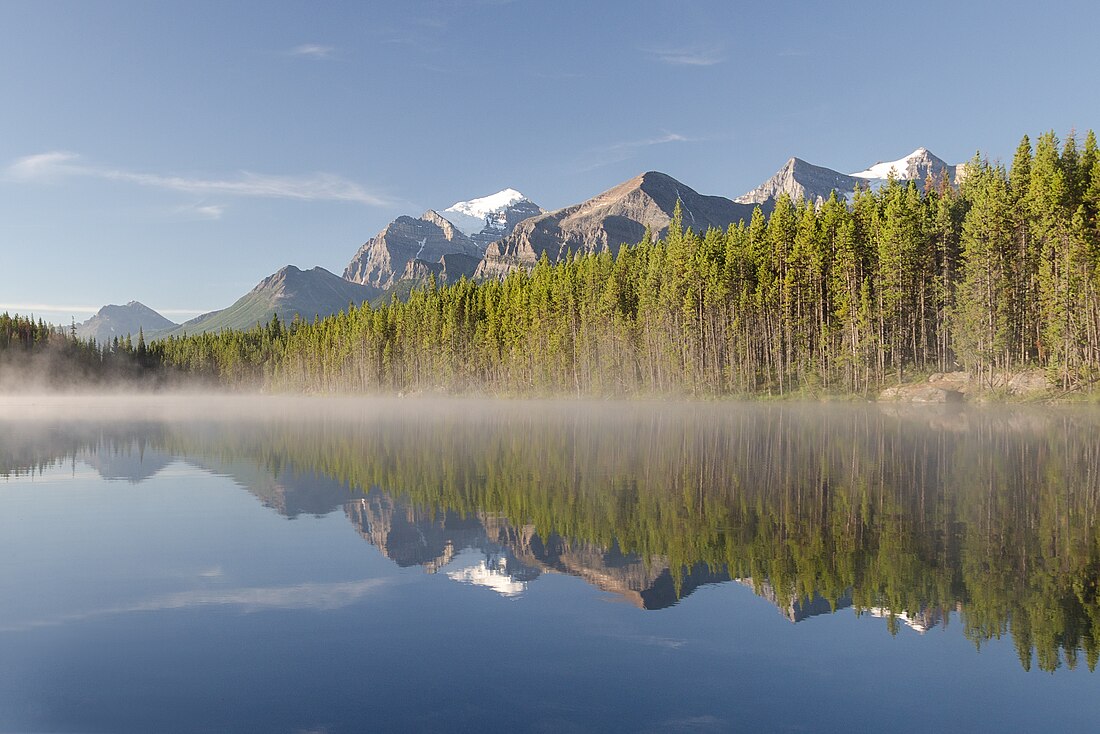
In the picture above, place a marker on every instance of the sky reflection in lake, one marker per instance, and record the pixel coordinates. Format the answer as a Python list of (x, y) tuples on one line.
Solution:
[(550, 568)]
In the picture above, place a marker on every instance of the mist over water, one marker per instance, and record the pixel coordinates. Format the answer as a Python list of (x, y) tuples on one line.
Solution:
[(937, 525)]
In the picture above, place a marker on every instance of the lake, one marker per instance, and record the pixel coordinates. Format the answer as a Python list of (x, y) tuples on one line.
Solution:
[(181, 564)]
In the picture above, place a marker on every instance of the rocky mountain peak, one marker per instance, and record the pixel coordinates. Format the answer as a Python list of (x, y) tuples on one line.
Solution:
[(383, 259), (608, 220), (488, 218), (288, 292), (113, 320), (477, 210), (921, 165), (800, 180), (450, 231)]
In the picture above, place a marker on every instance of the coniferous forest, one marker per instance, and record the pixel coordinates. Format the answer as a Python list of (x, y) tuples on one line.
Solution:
[(999, 274)]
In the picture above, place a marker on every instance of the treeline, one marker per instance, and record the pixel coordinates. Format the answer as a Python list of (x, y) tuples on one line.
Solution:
[(36, 354), (1001, 274)]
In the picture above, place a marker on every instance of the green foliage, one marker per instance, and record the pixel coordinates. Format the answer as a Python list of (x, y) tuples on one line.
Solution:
[(1000, 276), (34, 354), (1003, 275)]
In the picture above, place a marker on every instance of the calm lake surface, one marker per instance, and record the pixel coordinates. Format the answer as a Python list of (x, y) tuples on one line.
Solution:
[(179, 564)]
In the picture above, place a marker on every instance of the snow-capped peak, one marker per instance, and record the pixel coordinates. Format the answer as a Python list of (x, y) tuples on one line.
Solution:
[(900, 167), (486, 205), (473, 216)]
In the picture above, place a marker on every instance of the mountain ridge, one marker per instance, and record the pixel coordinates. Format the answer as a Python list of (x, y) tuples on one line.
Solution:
[(489, 236), (800, 179), (131, 319), (288, 292), (620, 215)]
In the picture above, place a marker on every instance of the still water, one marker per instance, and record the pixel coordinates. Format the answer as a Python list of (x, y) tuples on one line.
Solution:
[(342, 566)]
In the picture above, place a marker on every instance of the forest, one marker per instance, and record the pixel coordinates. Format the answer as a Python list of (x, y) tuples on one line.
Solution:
[(843, 297), (34, 354)]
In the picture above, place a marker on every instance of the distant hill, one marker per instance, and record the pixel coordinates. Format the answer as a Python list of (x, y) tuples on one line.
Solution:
[(288, 292), (616, 217), (118, 321)]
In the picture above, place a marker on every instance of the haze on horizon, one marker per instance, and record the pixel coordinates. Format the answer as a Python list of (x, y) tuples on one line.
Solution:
[(176, 155)]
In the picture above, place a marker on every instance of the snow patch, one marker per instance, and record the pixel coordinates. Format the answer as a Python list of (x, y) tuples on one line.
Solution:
[(900, 167), (471, 216)]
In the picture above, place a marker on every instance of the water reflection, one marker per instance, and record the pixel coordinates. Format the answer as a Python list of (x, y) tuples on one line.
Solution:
[(916, 517)]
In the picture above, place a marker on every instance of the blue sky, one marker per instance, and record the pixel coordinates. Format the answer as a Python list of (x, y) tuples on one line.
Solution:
[(177, 153)]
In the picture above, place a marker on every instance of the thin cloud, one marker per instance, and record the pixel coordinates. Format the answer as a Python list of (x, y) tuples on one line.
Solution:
[(314, 596), (313, 51), (626, 149), (55, 165), (689, 56), (212, 212), (42, 166)]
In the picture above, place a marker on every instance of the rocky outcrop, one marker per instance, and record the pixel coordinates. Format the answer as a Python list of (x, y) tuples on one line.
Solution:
[(955, 387), (382, 260), (616, 217), (449, 269)]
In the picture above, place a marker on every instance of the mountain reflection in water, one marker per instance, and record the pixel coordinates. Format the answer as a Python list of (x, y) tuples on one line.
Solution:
[(988, 516)]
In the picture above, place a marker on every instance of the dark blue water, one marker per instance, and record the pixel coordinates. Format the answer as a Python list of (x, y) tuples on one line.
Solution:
[(150, 585)]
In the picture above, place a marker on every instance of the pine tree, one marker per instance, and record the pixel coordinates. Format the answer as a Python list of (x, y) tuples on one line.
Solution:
[(983, 314)]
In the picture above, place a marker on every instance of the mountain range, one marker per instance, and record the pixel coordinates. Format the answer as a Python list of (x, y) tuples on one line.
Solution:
[(620, 215), (489, 236), (801, 180), (288, 292)]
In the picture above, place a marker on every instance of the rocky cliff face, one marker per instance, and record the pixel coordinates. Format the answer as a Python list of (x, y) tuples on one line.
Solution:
[(450, 269), (801, 180), (616, 217), (118, 321), (502, 222), (383, 259)]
